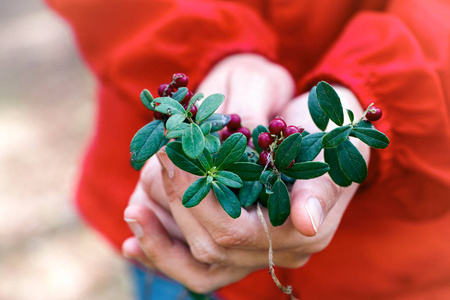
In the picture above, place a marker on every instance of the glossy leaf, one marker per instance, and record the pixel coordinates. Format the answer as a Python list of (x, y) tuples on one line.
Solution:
[(212, 143), (147, 99), (176, 154), (180, 94), (330, 103), (335, 172), (217, 121), (364, 124), (287, 151), (336, 136), (247, 171), (317, 114), (169, 106), (174, 121), (371, 137), (307, 170), (146, 142), (311, 147), (255, 134), (231, 150), (352, 162), (206, 159), (206, 128), (196, 192), (193, 141), (227, 199), (249, 192), (209, 106), (279, 204), (351, 116), (229, 179), (177, 132)]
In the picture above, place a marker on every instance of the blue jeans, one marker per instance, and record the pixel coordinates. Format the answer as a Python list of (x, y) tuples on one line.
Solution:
[(151, 285)]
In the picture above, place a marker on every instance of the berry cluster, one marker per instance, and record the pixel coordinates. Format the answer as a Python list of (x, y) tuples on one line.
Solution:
[(167, 90), (268, 141), (233, 126)]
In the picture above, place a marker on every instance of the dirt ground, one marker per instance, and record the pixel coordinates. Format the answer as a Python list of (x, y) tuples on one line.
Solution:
[(46, 111)]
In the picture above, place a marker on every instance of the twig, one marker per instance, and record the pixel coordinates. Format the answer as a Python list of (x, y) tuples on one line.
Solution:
[(288, 289)]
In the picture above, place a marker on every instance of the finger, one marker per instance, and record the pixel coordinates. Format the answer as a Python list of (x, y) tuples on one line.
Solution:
[(131, 249), (174, 259), (150, 179)]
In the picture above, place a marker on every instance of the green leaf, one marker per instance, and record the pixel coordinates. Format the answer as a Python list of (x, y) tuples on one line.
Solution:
[(206, 128), (169, 106), (335, 172), (279, 204), (196, 192), (336, 136), (176, 154), (147, 99), (352, 162), (178, 131), (209, 106), (250, 192), (206, 160), (212, 143), (287, 151), (311, 147), (194, 99), (364, 124), (351, 116), (307, 170), (330, 103), (146, 142), (231, 150), (229, 179), (180, 94), (217, 121), (193, 141), (371, 137), (268, 178), (247, 171), (175, 121), (255, 134), (317, 114), (227, 199)]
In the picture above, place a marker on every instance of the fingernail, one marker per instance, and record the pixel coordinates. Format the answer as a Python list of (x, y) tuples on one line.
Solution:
[(166, 163), (315, 212), (135, 227)]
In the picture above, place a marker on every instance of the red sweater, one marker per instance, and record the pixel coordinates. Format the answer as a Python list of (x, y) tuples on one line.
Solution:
[(393, 241)]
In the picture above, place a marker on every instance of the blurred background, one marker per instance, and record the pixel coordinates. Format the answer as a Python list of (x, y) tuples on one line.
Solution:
[(46, 111)]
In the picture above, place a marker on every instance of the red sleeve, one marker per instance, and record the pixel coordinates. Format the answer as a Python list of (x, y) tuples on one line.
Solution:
[(132, 46), (400, 61)]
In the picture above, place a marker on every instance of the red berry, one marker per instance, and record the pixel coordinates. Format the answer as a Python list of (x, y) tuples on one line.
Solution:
[(187, 98), (374, 114), (245, 131), (165, 89), (235, 122), (276, 126), (225, 133), (291, 129), (265, 140), (180, 80), (264, 157), (157, 115)]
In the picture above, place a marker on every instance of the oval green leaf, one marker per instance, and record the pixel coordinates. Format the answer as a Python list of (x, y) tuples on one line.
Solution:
[(279, 204), (176, 154), (194, 99), (206, 128), (177, 132), (287, 151), (247, 171), (229, 179), (317, 114), (209, 106), (307, 170), (146, 142), (193, 140), (147, 99), (217, 121), (206, 159), (180, 94), (249, 192), (174, 121), (169, 106), (335, 172), (371, 137), (336, 136), (352, 162), (227, 199), (231, 150), (212, 143), (196, 192), (330, 103), (311, 147)]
